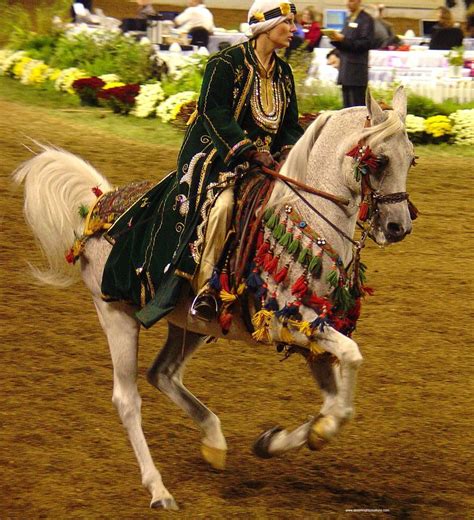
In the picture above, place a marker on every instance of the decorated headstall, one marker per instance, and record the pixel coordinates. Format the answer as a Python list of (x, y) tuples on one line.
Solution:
[(366, 163)]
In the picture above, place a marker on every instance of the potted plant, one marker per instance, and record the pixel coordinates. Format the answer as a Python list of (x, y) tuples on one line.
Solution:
[(456, 61)]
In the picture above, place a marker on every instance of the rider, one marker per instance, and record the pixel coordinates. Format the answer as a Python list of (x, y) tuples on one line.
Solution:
[(247, 112)]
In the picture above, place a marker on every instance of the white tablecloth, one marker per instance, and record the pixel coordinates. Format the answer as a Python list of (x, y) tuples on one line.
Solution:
[(218, 37)]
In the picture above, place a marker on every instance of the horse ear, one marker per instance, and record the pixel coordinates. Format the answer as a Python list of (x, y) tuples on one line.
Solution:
[(400, 102), (375, 112)]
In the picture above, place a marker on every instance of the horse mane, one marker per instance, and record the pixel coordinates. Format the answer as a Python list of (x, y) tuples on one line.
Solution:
[(295, 166)]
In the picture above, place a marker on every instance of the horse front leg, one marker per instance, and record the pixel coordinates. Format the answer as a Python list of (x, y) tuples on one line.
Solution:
[(337, 381), (122, 332), (166, 374)]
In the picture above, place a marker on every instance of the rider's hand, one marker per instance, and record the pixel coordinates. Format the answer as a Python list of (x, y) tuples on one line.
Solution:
[(254, 157)]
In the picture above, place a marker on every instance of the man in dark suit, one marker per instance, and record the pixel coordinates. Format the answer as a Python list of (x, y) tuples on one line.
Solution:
[(354, 43)]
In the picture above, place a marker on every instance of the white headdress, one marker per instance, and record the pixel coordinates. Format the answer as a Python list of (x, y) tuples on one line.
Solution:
[(266, 14)]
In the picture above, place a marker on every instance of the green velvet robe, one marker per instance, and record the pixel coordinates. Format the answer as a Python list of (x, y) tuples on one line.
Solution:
[(158, 241)]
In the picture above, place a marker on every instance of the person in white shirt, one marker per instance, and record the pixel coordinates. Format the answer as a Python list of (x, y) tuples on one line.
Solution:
[(195, 15)]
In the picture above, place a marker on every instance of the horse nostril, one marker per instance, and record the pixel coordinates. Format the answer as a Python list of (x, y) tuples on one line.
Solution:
[(395, 229)]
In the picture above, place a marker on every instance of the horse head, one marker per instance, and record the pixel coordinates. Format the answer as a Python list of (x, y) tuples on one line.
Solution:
[(383, 183)]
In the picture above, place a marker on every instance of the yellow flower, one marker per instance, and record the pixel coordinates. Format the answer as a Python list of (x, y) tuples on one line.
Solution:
[(113, 84), (438, 126), (259, 16), (19, 66), (285, 9)]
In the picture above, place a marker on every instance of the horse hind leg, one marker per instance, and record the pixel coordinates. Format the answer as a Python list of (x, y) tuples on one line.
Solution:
[(122, 331), (166, 374)]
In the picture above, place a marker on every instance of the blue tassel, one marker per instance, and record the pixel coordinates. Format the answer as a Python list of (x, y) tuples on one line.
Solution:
[(271, 305), (215, 282), (262, 291), (254, 280), (320, 323), (287, 311)]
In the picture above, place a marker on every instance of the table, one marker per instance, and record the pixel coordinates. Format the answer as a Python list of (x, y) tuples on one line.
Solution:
[(219, 37)]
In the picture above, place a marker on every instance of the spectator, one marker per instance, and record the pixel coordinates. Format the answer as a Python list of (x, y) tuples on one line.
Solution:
[(311, 24), (87, 5), (353, 44), (333, 58), (445, 35), (196, 20), (145, 9), (384, 35)]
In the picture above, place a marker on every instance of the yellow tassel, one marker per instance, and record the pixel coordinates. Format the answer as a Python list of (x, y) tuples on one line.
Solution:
[(261, 318), (302, 326), (315, 348), (262, 335), (192, 118), (227, 297), (286, 336), (241, 289)]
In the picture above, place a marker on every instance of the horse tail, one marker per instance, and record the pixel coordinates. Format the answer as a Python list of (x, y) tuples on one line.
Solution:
[(57, 184), (296, 164)]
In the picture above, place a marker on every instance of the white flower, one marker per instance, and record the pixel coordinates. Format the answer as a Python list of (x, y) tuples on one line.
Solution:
[(147, 100), (463, 126), (67, 77), (8, 60), (414, 124), (169, 109), (110, 78)]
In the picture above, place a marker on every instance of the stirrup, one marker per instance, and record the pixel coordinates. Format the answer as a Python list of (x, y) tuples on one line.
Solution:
[(204, 307)]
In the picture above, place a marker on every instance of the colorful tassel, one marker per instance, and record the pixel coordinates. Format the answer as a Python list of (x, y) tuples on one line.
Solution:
[(268, 213), (300, 287), (286, 239), (315, 266), (289, 310), (254, 280), (294, 246), (225, 320), (305, 256), (227, 297), (214, 282), (262, 291), (278, 231), (333, 277), (363, 210), (272, 304), (261, 318), (263, 249), (280, 276), (96, 191), (241, 289), (286, 336), (273, 221), (83, 211), (320, 323), (224, 281), (271, 266)]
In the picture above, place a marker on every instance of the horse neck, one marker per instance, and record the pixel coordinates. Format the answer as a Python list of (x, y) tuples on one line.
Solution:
[(330, 170)]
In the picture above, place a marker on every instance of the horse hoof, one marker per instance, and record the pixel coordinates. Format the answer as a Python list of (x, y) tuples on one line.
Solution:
[(261, 445), (320, 433), (214, 456), (165, 503)]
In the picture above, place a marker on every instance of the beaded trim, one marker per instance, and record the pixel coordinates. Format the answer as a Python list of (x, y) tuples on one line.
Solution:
[(267, 118)]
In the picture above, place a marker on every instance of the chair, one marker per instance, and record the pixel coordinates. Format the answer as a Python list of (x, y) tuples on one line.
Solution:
[(199, 36)]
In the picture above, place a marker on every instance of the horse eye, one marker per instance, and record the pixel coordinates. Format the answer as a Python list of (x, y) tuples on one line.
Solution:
[(382, 161)]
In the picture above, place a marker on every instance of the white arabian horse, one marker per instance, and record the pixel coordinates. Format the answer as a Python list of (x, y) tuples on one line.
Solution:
[(57, 183)]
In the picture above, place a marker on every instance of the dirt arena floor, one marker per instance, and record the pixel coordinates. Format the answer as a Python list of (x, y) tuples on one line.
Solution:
[(407, 454)]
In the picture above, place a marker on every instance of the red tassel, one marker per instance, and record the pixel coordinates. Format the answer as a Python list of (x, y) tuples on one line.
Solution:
[(300, 287), (363, 211), (97, 191), (224, 280), (225, 321), (271, 266), (281, 275), (70, 259)]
